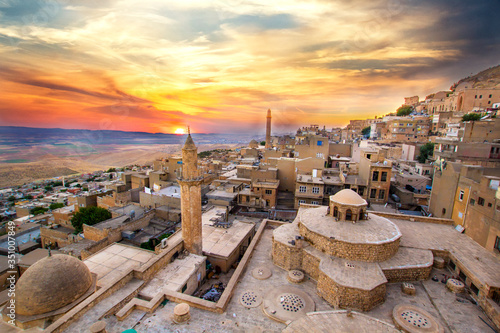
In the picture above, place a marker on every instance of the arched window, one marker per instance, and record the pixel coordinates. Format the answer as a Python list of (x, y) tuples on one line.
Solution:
[(335, 211), (348, 215)]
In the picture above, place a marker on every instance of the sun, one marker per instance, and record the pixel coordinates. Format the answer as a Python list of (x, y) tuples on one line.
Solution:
[(179, 131)]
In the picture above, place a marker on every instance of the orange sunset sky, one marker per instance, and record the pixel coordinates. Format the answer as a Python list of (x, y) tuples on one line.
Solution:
[(217, 66)]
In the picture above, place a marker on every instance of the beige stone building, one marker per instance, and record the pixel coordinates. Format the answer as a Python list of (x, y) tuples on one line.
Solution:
[(309, 189), (330, 244)]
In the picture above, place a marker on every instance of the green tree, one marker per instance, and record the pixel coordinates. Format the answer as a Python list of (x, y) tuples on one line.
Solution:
[(29, 197), (89, 216), (48, 188), (12, 198), (38, 210), (111, 170), (366, 131), (56, 205), (263, 143), (404, 110), (425, 151), (471, 117)]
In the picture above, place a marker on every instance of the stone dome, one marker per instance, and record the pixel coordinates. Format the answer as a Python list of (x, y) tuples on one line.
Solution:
[(348, 197), (52, 283)]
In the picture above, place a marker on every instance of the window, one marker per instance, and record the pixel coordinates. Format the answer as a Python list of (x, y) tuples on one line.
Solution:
[(461, 195), (383, 178), (302, 202), (475, 96), (489, 204), (315, 190), (302, 189), (480, 201), (490, 96), (296, 154), (480, 96), (375, 176), (444, 211), (320, 143), (361, 191), (497, 244), (336, 211), (269, 191), (381, 194), (319, 155), (472, 202), (184, 288), (373, 193), (314, 202)]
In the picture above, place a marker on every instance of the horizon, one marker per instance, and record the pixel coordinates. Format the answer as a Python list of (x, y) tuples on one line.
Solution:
[(157, 67)]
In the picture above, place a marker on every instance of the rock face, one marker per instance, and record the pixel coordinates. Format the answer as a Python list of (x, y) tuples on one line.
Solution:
[(51, 284)]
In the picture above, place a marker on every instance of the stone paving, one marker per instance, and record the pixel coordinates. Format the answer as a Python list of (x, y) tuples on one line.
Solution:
[(432, 296)]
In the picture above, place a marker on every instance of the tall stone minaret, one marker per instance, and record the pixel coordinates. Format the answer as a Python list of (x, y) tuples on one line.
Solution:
[(190, 182), (268, 129)]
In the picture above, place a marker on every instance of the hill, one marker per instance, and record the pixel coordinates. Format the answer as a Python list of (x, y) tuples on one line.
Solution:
[(489, 78)]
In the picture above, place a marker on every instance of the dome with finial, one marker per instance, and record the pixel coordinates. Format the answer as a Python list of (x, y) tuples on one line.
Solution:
[(52, 283)]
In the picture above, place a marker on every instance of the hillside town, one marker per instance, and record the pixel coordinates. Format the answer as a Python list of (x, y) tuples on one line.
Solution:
[(417, 190)]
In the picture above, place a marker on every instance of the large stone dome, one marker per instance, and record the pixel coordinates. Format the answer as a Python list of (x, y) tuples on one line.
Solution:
[(52, 283), (348, 197)]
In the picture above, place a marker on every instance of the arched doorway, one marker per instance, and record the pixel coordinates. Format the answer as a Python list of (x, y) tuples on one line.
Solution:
[(335, 211), (348, 215)]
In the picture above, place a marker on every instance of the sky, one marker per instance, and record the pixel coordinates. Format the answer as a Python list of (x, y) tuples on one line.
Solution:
[(217, 66)]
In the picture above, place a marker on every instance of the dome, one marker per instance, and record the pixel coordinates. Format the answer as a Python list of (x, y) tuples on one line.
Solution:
[(52, 283), (348, 197)]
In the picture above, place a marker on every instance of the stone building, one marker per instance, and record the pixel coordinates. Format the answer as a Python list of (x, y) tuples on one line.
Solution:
[(351, 254)]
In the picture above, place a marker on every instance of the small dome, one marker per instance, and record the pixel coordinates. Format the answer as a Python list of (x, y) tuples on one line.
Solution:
[(348, 197), (51, 283), (253, 144)]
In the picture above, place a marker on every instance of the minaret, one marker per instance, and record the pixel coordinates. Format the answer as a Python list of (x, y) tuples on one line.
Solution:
[(190, 182), (268, 129)]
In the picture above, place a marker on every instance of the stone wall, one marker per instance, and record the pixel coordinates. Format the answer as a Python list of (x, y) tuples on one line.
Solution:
[(54, 236), (153, 201), (349, 298), (408, 274), (286, 257), (310, 265), (351, 251), (412, 218)]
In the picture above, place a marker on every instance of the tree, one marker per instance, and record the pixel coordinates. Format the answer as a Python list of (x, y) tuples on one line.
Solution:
[(425, 151), (366, 131), (404, 110), (38, 210), (111, 170), (12, 198), (56, 205), (263, 143), (29, 197), (48, 188), (89, 216), (471, 117)]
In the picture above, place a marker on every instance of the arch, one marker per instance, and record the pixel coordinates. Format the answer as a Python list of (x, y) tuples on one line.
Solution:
[(348, 215), (361, 214), (460, 102), (335, 211)]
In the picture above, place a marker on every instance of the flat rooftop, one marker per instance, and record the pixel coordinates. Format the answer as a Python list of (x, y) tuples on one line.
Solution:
[(174, 276), (221, 241), (114, 260)]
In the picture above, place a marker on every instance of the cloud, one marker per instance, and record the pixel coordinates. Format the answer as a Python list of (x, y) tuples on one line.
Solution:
[(220, 65)]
